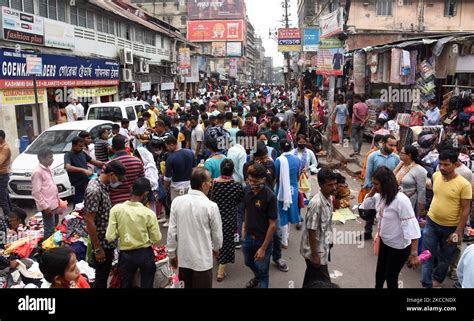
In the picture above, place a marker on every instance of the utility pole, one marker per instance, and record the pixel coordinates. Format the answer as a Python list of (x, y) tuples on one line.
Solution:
[(286, 6)]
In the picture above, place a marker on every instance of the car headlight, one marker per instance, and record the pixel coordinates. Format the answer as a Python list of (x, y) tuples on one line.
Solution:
[(59, 171)]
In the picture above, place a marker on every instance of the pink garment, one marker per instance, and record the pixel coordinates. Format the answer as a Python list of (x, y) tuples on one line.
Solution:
[(45, 191), (360, 110), (395, 76)]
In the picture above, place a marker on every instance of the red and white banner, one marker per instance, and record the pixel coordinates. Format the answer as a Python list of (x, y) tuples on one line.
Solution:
[(7, 84), (216, 30)]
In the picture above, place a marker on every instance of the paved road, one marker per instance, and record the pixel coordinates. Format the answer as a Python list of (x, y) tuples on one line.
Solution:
[(353, 265)]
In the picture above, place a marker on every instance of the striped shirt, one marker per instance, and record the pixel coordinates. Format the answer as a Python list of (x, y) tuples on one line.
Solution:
[(101, 150), (135, 170)]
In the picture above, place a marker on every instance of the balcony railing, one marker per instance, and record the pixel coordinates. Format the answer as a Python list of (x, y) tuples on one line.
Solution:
[(118, 42)]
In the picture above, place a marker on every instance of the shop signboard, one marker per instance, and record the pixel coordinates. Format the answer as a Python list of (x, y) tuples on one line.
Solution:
[(95, 91), (34, 65), (146, 86), (57, 71), (22, 96), (58, 34), (167, 86), (310, 39), (233, 68), (289, 40), (215, 9), (330, 58), (215, 30), (332, 24), (234, 49), (22, 27)]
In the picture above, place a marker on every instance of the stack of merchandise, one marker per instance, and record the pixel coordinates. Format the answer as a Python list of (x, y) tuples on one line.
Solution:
[(426, 84)]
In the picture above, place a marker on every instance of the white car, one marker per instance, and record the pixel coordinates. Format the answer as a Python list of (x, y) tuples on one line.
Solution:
[(116, 111), (58, 139)]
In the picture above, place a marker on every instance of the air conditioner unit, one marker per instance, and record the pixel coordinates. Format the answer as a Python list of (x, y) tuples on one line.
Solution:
[(126, 57), (143, 66), (72, 3), (127, 75)]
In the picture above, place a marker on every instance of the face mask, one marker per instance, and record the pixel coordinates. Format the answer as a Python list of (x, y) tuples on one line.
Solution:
[(275, 128), (115, 184), (266, 142), (301, 146), (380, 146), (256, 187)]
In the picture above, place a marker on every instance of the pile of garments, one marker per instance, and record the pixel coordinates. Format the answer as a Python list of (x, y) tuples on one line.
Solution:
[(71, 232)]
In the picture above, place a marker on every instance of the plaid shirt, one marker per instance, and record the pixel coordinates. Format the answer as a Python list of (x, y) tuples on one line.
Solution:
[(250, 130)]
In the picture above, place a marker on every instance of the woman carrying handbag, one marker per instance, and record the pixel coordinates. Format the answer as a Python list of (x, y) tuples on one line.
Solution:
[(398, 229)]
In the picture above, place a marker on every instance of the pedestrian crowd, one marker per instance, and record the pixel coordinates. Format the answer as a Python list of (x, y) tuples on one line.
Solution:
[(232, 171)]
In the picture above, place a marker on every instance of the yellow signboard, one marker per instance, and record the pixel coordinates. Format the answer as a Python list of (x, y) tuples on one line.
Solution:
[(95, 91), (22, 96)]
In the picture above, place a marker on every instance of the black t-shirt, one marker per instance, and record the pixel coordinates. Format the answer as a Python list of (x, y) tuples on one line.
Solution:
[(179, 165), (301, 119), (77, 160), (187, 136), (271, 171), (175, 132), (260, 209)]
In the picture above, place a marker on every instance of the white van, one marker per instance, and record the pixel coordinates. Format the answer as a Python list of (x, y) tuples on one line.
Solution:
[(116, 111)]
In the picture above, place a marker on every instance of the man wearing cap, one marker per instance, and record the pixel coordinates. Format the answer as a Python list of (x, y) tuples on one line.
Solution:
[(97, 205)]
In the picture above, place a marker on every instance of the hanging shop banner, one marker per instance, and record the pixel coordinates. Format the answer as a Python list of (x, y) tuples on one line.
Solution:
[(167, 86), (332, 24), (330, 62), (216, 30), (184, 58), (212, 9), (146, 86), (95, 91), (218, 49), (22, 27), (289, 39), (234, 49), (233, 68), (58, 34), (193, 75), (22, 96), (310, 39), (58, 71)]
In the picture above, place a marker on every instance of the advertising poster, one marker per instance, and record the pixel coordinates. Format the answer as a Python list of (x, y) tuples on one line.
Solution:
[(22, 27), (234, 49), (330, 58), (184, 58), (218, 49), (216, 30), (216, 9), (58, 34), (332, 24), (310, 39)]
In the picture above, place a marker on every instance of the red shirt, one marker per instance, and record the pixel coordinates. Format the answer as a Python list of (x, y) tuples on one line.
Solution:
[(359, 113)]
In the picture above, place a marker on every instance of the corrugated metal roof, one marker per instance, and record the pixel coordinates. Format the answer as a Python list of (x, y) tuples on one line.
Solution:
[(116, 9)]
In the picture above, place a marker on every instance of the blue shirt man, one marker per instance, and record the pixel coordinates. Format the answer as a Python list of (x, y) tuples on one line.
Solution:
[(433, 114), (384, 157)]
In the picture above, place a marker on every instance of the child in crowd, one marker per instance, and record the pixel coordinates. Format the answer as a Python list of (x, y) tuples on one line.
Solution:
[(343, 194), (59, 268)]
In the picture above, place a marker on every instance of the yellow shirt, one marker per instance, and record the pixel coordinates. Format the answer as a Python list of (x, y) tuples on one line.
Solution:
[(134, 225), (151, 122), (445, 209)]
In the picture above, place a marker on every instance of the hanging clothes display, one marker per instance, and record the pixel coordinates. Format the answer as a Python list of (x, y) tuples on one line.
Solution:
[(413, 61), (445, 63), (395, 76), (372, 62), (405, 67), (359, 72), (386, 67)]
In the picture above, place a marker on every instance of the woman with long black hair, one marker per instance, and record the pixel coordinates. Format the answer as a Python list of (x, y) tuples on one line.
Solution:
[(398, 230), (411, 177)]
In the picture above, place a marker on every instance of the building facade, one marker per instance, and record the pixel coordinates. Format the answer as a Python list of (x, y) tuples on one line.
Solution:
[(94, 50)]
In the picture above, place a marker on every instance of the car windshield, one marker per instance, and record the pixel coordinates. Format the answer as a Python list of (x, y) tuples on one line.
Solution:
[(59, 141)]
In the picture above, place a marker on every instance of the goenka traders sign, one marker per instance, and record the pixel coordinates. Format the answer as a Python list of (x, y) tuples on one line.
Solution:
[(57, 71), (21, 27)]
